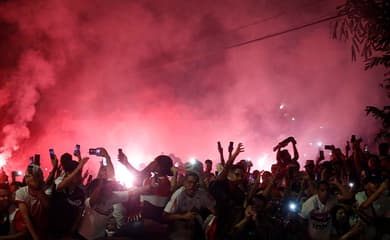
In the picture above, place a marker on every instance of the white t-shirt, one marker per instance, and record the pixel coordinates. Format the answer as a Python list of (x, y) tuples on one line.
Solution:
[(94, 220), (319, 217), (180, 202), (22, 195)]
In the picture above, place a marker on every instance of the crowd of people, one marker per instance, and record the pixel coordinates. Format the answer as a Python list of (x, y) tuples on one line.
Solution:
[(345, 197)]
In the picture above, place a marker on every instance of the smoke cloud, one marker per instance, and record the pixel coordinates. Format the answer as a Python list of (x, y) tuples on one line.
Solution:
[(153, 77)]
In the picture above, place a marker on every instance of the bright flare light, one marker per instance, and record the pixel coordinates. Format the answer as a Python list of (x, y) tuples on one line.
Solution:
[(263, 163), (3, 160), (319, 144), (292, 206), (281, 106), (123, 176)]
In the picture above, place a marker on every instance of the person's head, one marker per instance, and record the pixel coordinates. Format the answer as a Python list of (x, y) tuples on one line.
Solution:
[(191, 183), (266, 176), (283, 156), (163, 165), (373, 162), (274, 168), (337, 165), (34, 177), (371, 183), (209, 165), (69, 165), (255, 174), (65, 159), (309, 166), (236, 173), (340, 214), (4, 196), (323, 191)]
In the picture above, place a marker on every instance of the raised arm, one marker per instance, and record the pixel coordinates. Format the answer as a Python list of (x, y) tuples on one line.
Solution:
[(384, 185), (296, 154), (26, 217), (229, 163), (51, 176), (68, 180), (123, 160), (220, 151), (110, 171)]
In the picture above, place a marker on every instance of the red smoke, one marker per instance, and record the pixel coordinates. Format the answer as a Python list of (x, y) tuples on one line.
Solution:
[(154, 77)]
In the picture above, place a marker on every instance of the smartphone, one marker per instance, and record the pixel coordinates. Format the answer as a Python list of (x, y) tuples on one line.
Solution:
[(322, 155), (94, 151), (104, 162), (52, 154), (76, 150), (16, 173)]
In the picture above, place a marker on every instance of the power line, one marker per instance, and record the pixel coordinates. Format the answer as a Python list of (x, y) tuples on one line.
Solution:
[(282, 32), (280, 14)]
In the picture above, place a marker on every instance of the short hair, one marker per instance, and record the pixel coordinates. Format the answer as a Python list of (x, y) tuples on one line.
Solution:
[(237, 166), (35, 171), (165, 163), (372, 179), (191, 174), (65, 158), (69, 166), (323, 182), (208, 161)]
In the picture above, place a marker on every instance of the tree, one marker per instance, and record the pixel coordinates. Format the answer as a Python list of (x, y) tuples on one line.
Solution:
[(366, 24)]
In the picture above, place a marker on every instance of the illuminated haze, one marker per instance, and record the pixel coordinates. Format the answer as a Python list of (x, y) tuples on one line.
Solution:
[(159, 76)]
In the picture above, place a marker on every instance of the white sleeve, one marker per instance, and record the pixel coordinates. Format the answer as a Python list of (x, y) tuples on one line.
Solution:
[(172, 204), (307, 207), (21, 194), (360, 197)]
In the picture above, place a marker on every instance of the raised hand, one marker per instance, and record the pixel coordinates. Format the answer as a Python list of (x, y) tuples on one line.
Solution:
[(54, 161), (240, 148), (122, 158), (220, 149), (103, 152)]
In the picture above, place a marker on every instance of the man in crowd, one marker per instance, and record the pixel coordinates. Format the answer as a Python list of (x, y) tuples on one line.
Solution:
[(316, 213), (185, 209)]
